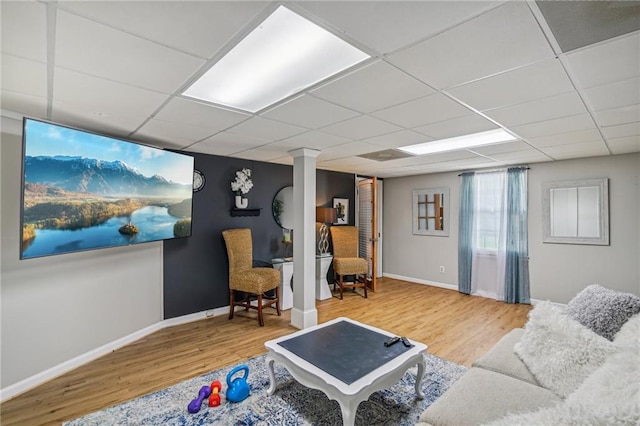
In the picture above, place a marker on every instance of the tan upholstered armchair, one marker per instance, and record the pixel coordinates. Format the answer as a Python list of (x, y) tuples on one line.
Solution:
[(254, 282), (346, 260)]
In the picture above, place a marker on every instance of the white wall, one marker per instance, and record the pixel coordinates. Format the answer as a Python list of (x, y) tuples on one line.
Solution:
[(557, 271), (56, 308)]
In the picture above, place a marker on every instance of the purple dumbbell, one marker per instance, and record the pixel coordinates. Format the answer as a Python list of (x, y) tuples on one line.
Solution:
[(203, 393)]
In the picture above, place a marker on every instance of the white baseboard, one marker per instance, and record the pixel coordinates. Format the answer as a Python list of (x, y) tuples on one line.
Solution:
[(66, 366), (421, 281), (534, 302)]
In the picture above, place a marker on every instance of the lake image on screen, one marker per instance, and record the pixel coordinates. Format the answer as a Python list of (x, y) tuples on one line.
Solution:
[(84, 191)]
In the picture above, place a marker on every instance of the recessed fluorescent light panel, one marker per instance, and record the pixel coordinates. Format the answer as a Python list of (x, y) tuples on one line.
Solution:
[(284, 55), (490, 137)]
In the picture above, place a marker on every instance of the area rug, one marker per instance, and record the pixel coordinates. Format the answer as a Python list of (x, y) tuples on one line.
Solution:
[(291, 404)]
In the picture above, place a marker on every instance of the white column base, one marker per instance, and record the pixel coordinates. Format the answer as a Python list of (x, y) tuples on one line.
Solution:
[(303, 319)]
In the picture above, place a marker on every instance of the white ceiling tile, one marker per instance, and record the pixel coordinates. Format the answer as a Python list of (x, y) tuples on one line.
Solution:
[(29, 105), (75, 115), (346, 150), (267, 129), (475, 162), (559, 106), (310, 112), (625, 145), (225, 143), (287, 160), (386, 26), (581, 136), (577, 150), (262, 153), (98, 95), (24, 75), (312, 139), (373, 87), (520, 156), (504, 38), (531, 156), (194, 113), (443, 157), (555, 126), (456, 127), (622, 115), (24, 29), (622, 130), (617, 94), (200, 28), (430, 109), (607, 62), (539, 80), (349, 163), (177, 134), (360, 128), (119, 56), (396, 139), (516, 146)]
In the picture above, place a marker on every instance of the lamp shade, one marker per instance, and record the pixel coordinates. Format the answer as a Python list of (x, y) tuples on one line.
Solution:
[(325, 214)]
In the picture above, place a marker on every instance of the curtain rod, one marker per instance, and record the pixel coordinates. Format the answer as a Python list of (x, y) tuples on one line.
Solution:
[(495, 170)]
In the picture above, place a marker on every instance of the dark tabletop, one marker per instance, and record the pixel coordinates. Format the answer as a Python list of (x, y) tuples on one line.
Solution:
[(344, 350)]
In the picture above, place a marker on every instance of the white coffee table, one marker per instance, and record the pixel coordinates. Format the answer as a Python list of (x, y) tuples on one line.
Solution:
[(301, 353)]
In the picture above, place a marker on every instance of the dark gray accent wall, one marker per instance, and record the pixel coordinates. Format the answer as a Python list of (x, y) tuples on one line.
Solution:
[(195, 268)]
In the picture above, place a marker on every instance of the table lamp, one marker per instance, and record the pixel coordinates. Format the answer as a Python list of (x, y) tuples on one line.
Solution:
[(324, 215)]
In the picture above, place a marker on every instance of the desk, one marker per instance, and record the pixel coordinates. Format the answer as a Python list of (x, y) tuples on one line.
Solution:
[(323, 291), (285, 266)]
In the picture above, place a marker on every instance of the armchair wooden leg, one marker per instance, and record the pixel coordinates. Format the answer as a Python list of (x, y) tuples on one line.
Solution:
[(364, 280), (260, 320), (341, 284), (278, 300), (231, 304)]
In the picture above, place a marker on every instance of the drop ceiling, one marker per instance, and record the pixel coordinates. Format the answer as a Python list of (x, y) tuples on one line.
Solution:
[(564, 77)]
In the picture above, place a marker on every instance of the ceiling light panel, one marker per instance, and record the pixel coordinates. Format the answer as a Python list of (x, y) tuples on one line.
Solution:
[(284, 55), (460, 142)]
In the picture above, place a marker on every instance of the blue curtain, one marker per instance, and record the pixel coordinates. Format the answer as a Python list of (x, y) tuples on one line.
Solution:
[(465, 235), (517, 254)]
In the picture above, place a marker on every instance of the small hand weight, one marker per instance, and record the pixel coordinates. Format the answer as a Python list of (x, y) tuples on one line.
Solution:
[(203, 393)]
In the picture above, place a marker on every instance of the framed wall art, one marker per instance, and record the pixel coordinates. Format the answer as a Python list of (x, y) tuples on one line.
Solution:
[(431, 212), (342, 211)]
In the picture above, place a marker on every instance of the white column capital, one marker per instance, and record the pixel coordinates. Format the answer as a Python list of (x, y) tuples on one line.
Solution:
[(304, 152)]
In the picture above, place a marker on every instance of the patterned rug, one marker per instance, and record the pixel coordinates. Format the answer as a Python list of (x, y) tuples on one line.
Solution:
[(291, 404)]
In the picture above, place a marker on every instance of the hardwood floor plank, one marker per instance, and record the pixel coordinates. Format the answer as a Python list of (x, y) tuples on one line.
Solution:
[(456, 327)]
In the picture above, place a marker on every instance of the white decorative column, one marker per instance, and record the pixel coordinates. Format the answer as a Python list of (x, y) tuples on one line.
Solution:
[(304, 313)]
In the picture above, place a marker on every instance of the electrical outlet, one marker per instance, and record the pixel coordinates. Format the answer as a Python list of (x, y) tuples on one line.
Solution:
[(209, 314), (442, 269)]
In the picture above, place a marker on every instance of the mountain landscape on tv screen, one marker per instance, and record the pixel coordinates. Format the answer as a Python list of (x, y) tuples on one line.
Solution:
[(76, 203)]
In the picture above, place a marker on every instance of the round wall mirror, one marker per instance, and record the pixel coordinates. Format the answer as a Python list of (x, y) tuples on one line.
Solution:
[(282, 207)]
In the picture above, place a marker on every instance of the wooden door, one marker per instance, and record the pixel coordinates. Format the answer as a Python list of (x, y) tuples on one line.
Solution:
[(368, 226)]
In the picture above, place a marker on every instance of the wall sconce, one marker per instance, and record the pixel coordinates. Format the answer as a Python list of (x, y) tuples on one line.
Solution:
[(324, 215)]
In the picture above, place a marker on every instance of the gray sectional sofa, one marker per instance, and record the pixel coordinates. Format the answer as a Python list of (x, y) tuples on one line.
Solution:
[(573, 365), (498, 383)]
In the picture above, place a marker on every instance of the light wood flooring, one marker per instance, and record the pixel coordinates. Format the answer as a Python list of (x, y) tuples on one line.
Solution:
[(454, 326)]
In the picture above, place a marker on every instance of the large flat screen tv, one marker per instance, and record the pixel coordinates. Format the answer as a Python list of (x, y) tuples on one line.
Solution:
[(83, 191)]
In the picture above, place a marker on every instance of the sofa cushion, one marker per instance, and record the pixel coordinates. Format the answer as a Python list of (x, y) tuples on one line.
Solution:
[(559, 351), (482, 395), (609, 396), (603, 310), (501, 358)]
